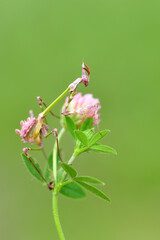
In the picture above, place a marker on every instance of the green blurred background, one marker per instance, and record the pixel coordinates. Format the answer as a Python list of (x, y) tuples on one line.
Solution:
[(42, 46)]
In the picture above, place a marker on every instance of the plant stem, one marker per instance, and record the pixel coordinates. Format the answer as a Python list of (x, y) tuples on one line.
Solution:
[(55, 102), (56, 190), (56, 216), (71, 159), (69, 162), (66, 182), (55, 156)]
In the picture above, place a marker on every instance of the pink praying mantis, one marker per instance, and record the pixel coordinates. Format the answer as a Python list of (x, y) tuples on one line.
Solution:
[(34, 130)]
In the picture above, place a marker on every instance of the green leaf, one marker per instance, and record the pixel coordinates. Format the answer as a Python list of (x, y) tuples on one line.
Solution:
[(70, 125), (89, 133), (103, 148), (79, 148), (71, 171), (73, 190), (94, 191), (60, 174), (81, 137), (88, 123), (88, 179), (98, 136), (33, 170)]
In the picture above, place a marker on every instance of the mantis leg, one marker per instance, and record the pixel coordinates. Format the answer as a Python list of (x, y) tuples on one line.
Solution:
[(25, 150), (55, 133), (40, 101)]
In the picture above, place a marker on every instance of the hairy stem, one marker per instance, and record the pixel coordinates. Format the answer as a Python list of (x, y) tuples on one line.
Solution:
[(56, 216)]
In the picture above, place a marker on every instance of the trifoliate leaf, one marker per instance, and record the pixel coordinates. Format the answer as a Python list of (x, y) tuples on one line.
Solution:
[(79, 148), (89, 133), (98, 136)]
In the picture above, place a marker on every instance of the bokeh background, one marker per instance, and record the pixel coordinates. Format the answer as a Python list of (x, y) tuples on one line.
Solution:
[(42, 46)]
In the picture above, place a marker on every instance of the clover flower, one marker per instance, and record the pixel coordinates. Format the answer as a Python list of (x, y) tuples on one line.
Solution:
[(82, 107), (33, 129)]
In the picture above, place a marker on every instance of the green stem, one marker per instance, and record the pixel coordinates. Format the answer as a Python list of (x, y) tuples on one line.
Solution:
[(71, 159), (55, 102), (66, 182), (56, 216), (55, 208), (69, 162), (56, 190), (55, 155)]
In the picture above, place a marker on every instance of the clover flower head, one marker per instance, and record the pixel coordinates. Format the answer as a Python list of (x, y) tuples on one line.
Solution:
[(82, 107)]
